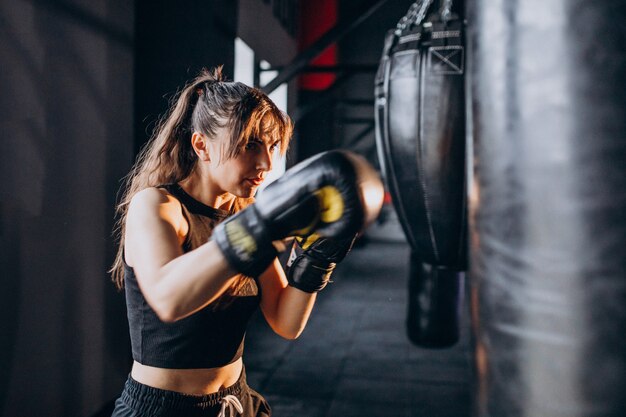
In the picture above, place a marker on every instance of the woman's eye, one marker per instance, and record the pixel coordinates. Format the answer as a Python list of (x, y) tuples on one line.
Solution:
[(250, 146)]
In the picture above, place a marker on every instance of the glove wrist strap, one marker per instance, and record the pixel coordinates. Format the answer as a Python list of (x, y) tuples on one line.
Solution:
[(309, 275)]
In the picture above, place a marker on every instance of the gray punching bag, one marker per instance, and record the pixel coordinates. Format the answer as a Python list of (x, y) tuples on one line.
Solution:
[(548, 207), (420, 135)]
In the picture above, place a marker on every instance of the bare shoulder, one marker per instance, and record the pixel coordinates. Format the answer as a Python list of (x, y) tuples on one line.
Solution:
[(151, 197), (156, 203), (154, 220)]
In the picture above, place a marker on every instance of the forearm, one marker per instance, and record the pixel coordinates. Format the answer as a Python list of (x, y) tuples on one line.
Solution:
[(308, 274), (292, 312), (285, 308)]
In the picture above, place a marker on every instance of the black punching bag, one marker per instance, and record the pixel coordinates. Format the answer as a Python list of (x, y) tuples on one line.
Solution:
[(548, 207), (420, 135)]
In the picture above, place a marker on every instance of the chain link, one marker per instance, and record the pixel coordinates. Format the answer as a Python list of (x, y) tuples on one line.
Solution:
[(446, 10), (415, 15)]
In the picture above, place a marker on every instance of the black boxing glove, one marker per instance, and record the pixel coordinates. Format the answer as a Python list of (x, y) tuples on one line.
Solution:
[(323, 194), (312, 261)]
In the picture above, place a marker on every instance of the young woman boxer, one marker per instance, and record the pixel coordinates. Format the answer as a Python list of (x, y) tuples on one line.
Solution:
[(194, 271)]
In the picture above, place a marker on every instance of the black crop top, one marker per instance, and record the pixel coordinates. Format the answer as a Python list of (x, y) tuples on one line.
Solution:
[(209, 338)]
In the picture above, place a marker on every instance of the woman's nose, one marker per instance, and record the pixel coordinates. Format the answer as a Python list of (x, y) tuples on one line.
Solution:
[(266, 159)]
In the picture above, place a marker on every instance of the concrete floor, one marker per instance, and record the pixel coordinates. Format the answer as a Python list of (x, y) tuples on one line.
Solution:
[(354, 358)]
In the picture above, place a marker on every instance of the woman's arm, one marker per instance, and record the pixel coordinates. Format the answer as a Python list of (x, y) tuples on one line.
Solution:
[(285, 308), (175, 284), (288, 300)]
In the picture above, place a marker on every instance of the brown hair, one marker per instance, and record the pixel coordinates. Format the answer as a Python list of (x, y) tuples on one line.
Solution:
[(205, 104)]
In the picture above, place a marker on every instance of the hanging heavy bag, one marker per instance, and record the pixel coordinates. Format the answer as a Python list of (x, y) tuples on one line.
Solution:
[(420, 136), (420, 120), (548, 248)]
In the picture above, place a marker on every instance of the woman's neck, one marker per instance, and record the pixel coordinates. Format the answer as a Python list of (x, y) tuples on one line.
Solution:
[(193, 185)]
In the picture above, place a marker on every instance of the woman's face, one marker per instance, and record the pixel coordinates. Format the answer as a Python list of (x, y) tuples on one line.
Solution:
[(244, 173)]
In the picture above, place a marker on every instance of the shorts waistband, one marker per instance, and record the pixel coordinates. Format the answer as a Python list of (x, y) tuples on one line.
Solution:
[(149, 399)]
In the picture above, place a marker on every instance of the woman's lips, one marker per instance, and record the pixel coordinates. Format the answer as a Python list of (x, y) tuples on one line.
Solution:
[(255, 181)]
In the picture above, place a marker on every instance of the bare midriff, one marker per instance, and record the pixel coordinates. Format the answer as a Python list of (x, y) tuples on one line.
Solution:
[(188, 381)]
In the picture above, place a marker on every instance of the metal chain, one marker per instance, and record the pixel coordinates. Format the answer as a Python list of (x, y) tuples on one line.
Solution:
[(410, 15), (446, 10), (414, 16)]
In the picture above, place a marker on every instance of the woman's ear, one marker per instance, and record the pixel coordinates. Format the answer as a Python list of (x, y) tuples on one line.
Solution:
[(200, 146)]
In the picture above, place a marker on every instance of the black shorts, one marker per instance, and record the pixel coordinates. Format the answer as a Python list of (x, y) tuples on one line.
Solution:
[(139, 400)]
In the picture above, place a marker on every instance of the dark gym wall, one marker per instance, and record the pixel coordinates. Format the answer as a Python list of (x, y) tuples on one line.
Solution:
[(175, 39), (66, 121)]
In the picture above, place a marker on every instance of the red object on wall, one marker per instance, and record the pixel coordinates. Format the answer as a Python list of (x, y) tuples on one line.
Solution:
[(316, 18)]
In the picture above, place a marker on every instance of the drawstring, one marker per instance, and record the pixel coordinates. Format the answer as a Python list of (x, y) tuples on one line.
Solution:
[(231, 402)]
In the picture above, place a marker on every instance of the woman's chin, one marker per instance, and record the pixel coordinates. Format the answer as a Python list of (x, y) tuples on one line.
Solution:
[(246, 192)]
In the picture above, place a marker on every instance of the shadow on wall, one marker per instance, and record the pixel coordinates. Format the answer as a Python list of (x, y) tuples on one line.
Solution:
[(66, 116)]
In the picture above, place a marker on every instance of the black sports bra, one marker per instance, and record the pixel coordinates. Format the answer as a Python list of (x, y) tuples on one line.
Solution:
[(211, 337)]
